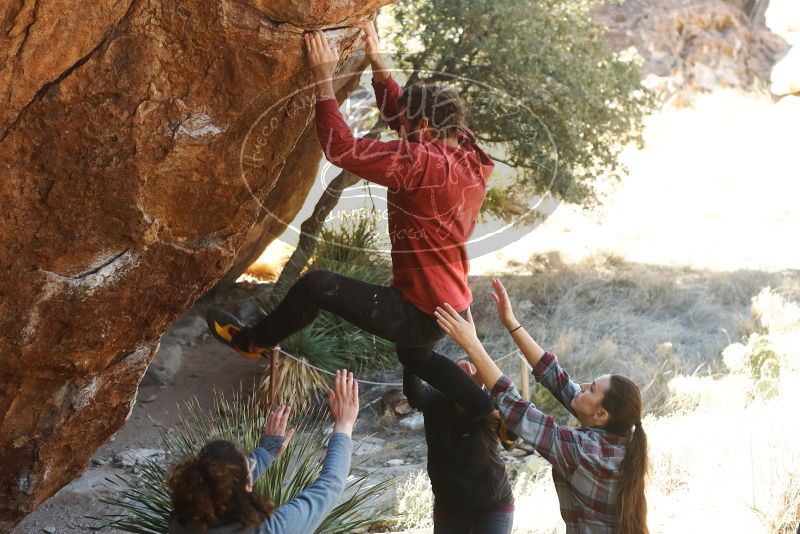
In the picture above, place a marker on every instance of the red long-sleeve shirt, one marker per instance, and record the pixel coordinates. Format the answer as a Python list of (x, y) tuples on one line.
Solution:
[(434, 195)]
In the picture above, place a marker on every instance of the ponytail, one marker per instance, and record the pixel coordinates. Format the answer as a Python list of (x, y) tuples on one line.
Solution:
[(631, 499), (623, 401)]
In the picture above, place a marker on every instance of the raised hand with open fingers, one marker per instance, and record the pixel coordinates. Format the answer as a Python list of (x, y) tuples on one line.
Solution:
[(276, 426), (503, 304), (461, 330), (343, 401)]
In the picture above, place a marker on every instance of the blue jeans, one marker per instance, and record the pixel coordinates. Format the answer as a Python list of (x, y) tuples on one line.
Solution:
[(497, 523)]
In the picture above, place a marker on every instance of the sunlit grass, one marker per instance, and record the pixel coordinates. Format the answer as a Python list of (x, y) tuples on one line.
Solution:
[(715, 187), (724, 456)]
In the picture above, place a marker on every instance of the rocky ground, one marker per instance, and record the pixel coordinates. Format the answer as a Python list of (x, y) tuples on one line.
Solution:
[(690, 46), (190, 365)]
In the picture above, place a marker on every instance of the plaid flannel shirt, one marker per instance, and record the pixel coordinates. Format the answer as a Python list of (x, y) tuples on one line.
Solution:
[(586, 461)]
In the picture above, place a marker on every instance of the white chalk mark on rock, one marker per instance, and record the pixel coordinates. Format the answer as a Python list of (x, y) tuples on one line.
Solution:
[(196, 126), (99, 273)]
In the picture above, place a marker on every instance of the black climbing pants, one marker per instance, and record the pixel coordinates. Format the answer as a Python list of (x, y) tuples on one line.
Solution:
[(494, 523), (381, 311)]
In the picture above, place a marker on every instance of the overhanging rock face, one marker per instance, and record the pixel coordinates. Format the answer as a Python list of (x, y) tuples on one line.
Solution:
[(139, 142)]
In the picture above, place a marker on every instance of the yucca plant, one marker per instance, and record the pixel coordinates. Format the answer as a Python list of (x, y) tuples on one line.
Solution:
[(298, 383), (330, 343), (144, 498), (354, 249)]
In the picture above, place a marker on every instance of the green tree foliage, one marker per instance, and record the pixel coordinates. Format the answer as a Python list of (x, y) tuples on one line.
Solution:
[(535, 75)]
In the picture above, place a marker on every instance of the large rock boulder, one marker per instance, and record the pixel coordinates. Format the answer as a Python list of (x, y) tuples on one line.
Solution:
[(139, 143), (297, 180), (690, 46)]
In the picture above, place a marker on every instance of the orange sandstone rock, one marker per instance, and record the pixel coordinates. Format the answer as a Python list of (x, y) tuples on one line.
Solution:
[(139, 144)]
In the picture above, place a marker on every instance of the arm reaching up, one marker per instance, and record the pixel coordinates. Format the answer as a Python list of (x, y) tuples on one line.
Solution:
[(274, 440), (558, 445), (373, 49), (322, 60), (544, 364), (530, 349), (306, 512), (395, 164), (387, 90), (463, 332)]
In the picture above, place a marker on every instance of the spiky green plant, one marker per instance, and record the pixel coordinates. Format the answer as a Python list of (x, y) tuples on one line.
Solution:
[(332, 343), (353, 248), (144, 498)]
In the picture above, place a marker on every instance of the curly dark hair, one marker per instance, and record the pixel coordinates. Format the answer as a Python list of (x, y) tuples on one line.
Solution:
[(438, 103), (209, 490)]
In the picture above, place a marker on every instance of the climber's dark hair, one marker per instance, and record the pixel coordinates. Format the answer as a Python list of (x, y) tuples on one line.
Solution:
[(209, 490), (438, 103), (623, 401)]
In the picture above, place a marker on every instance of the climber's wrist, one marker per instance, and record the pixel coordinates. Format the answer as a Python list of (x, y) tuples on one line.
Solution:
[(380, 71), (324, 89)]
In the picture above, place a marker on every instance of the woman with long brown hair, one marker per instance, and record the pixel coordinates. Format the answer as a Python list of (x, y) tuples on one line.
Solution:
[(599, 468)]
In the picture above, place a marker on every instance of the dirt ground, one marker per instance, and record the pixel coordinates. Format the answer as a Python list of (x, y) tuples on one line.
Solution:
[(205, 365), (588, 327)]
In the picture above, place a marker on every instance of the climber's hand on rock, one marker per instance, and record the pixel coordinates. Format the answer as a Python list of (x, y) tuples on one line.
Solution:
[(373, 49), (321, 58), (371, 42)]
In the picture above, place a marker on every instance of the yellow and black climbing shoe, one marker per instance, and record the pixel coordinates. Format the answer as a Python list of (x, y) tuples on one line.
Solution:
[(226, 328), (508, 439)]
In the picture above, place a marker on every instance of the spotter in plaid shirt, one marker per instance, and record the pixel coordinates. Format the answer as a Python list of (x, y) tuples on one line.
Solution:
[(586, 461)]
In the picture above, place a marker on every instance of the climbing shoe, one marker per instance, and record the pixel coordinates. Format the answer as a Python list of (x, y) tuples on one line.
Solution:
[(227, 329), (508, 439)]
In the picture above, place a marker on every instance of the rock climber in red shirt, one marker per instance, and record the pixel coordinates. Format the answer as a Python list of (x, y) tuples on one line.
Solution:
[(436, 176)]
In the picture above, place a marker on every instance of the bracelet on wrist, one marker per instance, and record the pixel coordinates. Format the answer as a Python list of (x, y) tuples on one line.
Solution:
[(515, 329)]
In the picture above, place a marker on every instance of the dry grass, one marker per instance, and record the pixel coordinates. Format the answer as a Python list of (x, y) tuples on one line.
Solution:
[(263, 272), (606, 314), (415, 502), (268, 266), (724, 455), (299, 384)]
